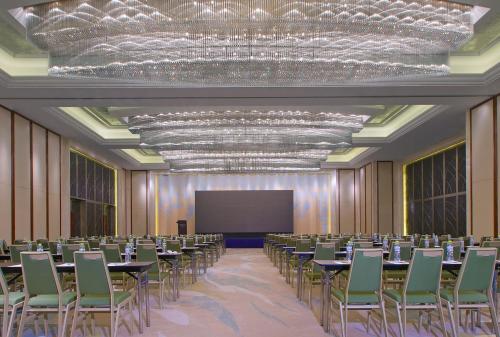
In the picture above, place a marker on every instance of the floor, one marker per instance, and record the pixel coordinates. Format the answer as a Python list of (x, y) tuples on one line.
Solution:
[(243, 295)]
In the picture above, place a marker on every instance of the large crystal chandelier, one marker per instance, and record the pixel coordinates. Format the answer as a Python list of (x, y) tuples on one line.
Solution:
[(249, 42), (245, 141)]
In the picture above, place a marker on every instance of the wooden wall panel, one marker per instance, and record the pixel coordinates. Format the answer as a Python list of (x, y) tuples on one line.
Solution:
[(5, 175), (385, 197), (22, 179), (139, 192), (346, 202), (368, 198), (54, 186), (482, 189), (65, 189), (39, 170), (362, 200)]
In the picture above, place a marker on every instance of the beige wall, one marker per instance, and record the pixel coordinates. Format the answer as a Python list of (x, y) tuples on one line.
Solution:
[(385, 197), (482, 145), (346, 200), (139, 202), (33, 207)]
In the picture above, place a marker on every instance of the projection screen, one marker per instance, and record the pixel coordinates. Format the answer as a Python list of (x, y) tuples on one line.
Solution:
[(260, 211)]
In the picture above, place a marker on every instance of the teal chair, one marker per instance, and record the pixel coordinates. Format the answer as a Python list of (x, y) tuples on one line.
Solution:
[(398, 276), (473, 289), (323, 251), (363, 290), (95, 292), (43, 292), (15, 252), (147, 253), (68, 251), (421, 287), (10, 302)]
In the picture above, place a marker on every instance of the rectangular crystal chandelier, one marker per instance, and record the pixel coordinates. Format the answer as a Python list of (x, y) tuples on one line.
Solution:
[(249, 43), (246, 140)]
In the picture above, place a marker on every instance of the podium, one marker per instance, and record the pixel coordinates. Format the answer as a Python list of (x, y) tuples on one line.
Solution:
[(182, 227)]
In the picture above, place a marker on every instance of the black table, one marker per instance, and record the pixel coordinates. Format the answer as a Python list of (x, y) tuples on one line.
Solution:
[(137, 270)]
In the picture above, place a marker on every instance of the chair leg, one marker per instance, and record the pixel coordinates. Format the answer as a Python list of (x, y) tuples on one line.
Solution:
[(60, 327), (452, 320), (342, 322), (21, 323), (419, 326), (310, 295), (5, 319), (65, 320), (346, 311), (116, 322), (112, 323), (400, 324), (368, 321), (403, 309), (161, 295), (75, 318), (441, 317), (384, 317), (493, 313)]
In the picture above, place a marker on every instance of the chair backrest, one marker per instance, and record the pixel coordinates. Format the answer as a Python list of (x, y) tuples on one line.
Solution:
[(53, 247), (111, 252), (174, 245), (495, 244), (39, 274), (147, 253), (404, 250), (456, 249), (362, 244), (477, 270), (85, 243), (303, 245), (421, 243), (190, 242), (122, 246), (68, 250), (4, 289), (291, 242), (94, 243), (15, 252), (43, 242), (323, 251), (365, 274), (92, 276), (424, 272)]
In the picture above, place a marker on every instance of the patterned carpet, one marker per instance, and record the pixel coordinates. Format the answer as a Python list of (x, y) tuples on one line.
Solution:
[(243, 295)]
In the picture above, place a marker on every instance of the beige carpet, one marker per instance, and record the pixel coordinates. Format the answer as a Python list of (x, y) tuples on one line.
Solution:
[(243, 295)]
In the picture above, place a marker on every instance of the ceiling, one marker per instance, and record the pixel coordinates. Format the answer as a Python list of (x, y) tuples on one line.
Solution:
[(406, 117)]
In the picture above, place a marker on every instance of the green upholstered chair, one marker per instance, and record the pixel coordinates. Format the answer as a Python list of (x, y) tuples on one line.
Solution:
[(147, 253), (398, 276), (447, 277), (323, 251), (495, 244), (94, 243), (301, 245), (10, 302), (53, 247), (362, 244), (112, 254), (363, 290), (68, 250), (43, 242), (421, 287), (473, 289), (95, 291), (43, 292), (15, 252)]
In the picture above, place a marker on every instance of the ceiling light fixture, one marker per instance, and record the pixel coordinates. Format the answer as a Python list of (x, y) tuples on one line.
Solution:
[(249, 43), (252, 140)]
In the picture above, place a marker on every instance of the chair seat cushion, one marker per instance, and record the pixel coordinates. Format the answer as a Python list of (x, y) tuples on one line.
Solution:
[(417, 297), (51, 301), (99, 300), (356, 297), (466, 296), (14, 298)]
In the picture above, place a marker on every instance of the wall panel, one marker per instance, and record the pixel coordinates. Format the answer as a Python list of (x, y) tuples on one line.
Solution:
[(5, 175), (385, 197), (346, 207), (54, 186), (22, 179), (139, 190), (39, 170), (482, 147)]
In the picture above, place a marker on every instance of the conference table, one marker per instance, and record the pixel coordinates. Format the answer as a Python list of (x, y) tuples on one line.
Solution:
[(137, 270), (330, 268)]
